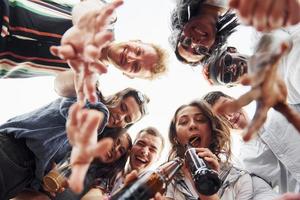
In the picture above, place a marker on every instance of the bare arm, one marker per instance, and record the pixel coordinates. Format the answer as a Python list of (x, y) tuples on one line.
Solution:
[(64, 84)]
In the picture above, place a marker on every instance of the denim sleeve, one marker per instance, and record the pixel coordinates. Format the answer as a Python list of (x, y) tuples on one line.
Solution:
[(67, 102), (65, 106)]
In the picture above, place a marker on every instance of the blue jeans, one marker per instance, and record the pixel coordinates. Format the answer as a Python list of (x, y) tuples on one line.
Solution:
[(17, 166)]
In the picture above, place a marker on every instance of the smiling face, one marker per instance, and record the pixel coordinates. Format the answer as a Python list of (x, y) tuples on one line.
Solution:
[(230, 66), (145, 151), (197, 38), (237, 120), (120, 148), (134, 58), (192, 127), (126, 112)]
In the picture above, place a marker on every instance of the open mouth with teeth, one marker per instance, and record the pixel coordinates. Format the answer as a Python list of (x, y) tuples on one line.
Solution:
[(141, 160), (195, 141)]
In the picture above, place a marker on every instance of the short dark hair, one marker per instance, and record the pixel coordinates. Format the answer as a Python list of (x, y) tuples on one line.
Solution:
[(214, 96), (186, 9)]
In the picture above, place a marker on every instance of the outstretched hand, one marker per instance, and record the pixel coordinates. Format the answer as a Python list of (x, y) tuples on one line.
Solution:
[(268, 14), (82, 128), (81, 47), (267, 88)]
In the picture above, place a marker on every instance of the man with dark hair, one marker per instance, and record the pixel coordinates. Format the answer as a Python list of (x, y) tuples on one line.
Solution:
[(145, 151), (198, 28)]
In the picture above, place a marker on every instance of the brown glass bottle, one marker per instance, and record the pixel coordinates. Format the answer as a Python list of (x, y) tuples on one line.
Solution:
[(149, 183), (206, 180)]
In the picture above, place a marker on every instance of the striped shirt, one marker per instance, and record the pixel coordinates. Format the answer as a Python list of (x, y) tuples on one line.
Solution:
[(28, 29)]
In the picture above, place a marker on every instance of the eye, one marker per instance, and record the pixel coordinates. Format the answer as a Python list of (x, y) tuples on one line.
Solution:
[(182, 122), (135, 67), (201, 50), (128, 119), (123, 107), (227, 77), (186, 42), (227, 60), (200, 119)]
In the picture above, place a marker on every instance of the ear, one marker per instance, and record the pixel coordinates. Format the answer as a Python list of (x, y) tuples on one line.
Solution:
[(129, 76)]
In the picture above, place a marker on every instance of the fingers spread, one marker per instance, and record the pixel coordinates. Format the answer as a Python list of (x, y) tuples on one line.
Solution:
[(277, 14), (293, 14)]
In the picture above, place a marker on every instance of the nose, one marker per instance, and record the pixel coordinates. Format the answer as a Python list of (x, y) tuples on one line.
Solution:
[(131, 57), (145, 151), (120, 118), (192, 126)]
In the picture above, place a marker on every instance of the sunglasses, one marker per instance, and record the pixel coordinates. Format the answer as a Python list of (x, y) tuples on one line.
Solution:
[(197, 49), (227, 73)]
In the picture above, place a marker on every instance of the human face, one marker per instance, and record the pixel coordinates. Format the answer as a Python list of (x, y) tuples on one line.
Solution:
[(192, 127), (237, 120), (134, 58), (126, 112), (230, 67), (197, 38), (145, 151), (120, 148)]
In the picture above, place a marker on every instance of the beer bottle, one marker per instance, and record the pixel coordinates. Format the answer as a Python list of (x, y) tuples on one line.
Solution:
[(206, 180), (149, 183)]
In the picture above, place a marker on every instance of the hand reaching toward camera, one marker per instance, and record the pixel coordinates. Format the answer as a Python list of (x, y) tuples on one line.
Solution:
[(81, 47), (267, 15), (82, 126), (267, 88)]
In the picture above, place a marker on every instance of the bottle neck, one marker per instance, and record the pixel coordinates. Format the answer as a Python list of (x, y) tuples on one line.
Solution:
[(169, 169)]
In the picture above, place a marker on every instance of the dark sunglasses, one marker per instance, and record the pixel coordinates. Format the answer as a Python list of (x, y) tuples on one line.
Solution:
[(197, 49), (227, 74)]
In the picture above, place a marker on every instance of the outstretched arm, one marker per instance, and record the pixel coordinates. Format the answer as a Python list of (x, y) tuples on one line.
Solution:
[(82, 44), (82, 128)]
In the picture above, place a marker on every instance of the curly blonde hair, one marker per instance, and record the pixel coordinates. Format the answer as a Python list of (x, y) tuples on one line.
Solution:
[(161, 65)]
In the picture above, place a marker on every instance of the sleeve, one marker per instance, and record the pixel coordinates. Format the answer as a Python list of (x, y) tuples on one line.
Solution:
[(243, 188), (65, 106), (4, 13), (67, 102), (261, 189), (170, 191)]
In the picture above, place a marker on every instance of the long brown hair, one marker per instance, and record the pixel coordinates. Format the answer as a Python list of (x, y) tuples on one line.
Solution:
[(220, 133)]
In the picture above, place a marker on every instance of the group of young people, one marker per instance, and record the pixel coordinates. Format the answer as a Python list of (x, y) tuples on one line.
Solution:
[(92, 128)]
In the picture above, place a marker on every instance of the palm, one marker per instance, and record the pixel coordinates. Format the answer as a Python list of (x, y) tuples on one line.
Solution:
[(82, 128), (81, 47), (267, 88)]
